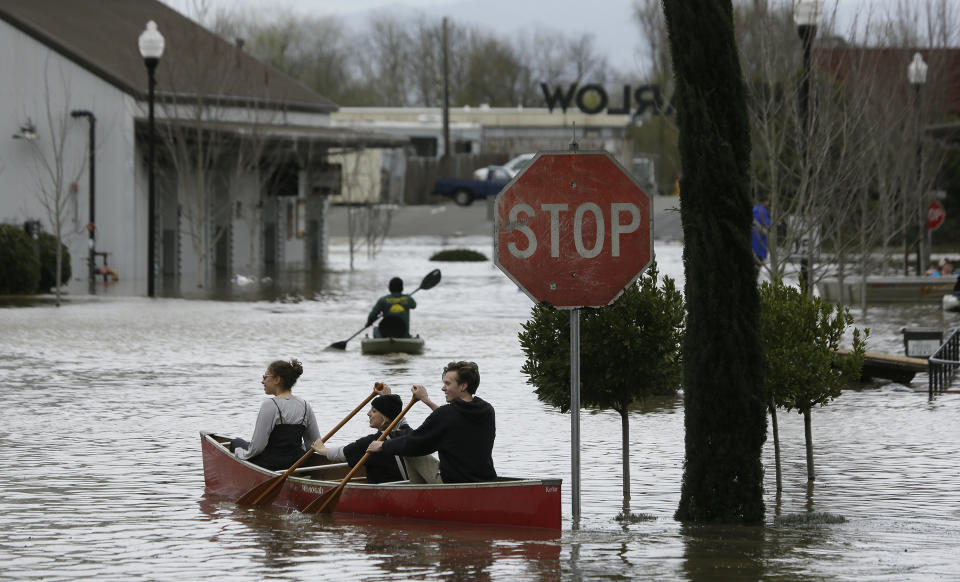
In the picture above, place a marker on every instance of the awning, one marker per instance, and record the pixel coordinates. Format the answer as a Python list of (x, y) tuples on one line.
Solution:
[(276, 134)]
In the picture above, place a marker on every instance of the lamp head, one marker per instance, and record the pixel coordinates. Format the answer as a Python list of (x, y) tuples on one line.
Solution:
[(27, 131), (151, 42), (917, 70), (807, 12)]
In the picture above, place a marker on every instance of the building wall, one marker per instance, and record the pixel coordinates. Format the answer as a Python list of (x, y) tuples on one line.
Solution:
[(501, 130), (44, 87)]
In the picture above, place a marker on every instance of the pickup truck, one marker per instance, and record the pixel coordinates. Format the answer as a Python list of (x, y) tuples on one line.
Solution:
[(464, 192)]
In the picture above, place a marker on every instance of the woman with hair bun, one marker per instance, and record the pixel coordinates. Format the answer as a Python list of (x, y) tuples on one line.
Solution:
[(286, 425)]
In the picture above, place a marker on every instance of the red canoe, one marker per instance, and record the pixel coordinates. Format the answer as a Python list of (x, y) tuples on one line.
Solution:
[(507, 501)]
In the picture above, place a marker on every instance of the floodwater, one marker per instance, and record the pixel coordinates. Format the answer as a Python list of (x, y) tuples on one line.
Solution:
[(102, 476)]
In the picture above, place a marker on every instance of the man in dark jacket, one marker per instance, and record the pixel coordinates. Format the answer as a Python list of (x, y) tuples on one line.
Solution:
[(462, 431)]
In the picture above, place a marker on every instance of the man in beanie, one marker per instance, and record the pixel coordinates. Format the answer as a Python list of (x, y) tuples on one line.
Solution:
[(462, 431), (380, 468), (395, 305)]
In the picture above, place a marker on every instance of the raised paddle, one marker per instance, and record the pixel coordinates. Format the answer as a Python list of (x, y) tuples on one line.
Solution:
[(430, 281), (326, 502), (266, 492)]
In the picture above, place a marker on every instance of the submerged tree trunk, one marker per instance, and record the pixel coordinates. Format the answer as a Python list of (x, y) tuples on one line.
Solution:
[(58, 273), (776, 445), (808, 437), (625, 449), (724, 408)]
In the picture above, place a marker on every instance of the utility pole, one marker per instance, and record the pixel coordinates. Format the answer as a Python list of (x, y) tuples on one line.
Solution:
[(446, 100), (92, 223)]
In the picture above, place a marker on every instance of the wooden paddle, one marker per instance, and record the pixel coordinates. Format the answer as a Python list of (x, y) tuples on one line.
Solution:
[(430, 281), (326, 502), (266, 492)]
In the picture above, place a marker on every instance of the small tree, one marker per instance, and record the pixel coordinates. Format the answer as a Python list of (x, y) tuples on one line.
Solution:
[(48, 245), (801, 336), (629, 350), (53, 171)]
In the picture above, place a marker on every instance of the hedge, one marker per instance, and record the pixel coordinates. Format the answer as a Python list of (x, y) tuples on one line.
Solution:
[(19, 266)]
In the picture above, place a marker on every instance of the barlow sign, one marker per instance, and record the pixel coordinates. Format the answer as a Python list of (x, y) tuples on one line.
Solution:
[(593, 98), (573, 229)]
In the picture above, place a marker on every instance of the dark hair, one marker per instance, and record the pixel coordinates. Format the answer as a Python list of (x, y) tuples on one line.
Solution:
[(396, 285), (467, 373), (286, 371)]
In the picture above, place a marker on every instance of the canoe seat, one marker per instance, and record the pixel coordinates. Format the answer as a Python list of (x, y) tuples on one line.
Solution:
[(319, 467)]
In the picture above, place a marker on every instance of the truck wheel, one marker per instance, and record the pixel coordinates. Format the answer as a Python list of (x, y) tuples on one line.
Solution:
[(463, 197)]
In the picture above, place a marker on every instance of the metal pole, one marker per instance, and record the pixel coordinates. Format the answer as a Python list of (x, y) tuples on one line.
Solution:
[(151, 191), (923, 251), (575, 415), (91, 225), (93, 198), (807, 34), (446, 100)]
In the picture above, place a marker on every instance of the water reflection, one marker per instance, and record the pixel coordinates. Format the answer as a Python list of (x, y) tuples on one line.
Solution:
[(388, 549), (722, 552)]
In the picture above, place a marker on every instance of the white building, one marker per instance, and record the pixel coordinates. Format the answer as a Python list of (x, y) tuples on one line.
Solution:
[(504, 130), (241, 164)]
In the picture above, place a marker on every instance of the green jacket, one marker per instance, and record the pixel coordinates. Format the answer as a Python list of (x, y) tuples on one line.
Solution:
[(398, 304)]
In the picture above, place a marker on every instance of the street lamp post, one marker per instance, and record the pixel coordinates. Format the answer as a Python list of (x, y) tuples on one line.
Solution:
[(806, 14), (917, 75), (91, 224), (151, 45)]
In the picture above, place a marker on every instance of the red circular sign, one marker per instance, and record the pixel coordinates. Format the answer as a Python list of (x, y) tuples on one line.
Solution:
[(573, 229), (936, 214)]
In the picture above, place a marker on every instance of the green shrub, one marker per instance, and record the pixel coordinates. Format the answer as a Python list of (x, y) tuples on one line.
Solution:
[(19, 266), (458, 255)]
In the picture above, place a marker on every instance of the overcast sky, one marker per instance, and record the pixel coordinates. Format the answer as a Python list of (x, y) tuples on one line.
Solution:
[(610, 21)]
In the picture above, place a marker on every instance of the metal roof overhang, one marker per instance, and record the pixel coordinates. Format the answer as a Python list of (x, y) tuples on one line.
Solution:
[(322, 136)]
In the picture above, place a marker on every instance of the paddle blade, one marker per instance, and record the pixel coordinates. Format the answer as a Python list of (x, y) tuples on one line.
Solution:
[(326, 502), (431, 280), (337, 346), (260, 495)]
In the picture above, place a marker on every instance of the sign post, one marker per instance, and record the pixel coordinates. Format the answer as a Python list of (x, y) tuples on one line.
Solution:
[(573, 229)]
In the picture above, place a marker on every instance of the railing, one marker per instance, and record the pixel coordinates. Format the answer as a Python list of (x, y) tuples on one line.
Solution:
[(942, 365)]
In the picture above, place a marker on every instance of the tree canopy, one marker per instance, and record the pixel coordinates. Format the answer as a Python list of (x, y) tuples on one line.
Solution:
[(628, 350)]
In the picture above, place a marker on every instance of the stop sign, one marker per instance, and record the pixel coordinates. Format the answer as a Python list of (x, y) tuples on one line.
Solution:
[(573, 229), (935, 215)]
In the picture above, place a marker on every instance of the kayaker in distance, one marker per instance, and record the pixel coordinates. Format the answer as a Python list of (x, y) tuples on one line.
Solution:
[(462, 431), (380, 468), (285, 424), (394, 308)]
